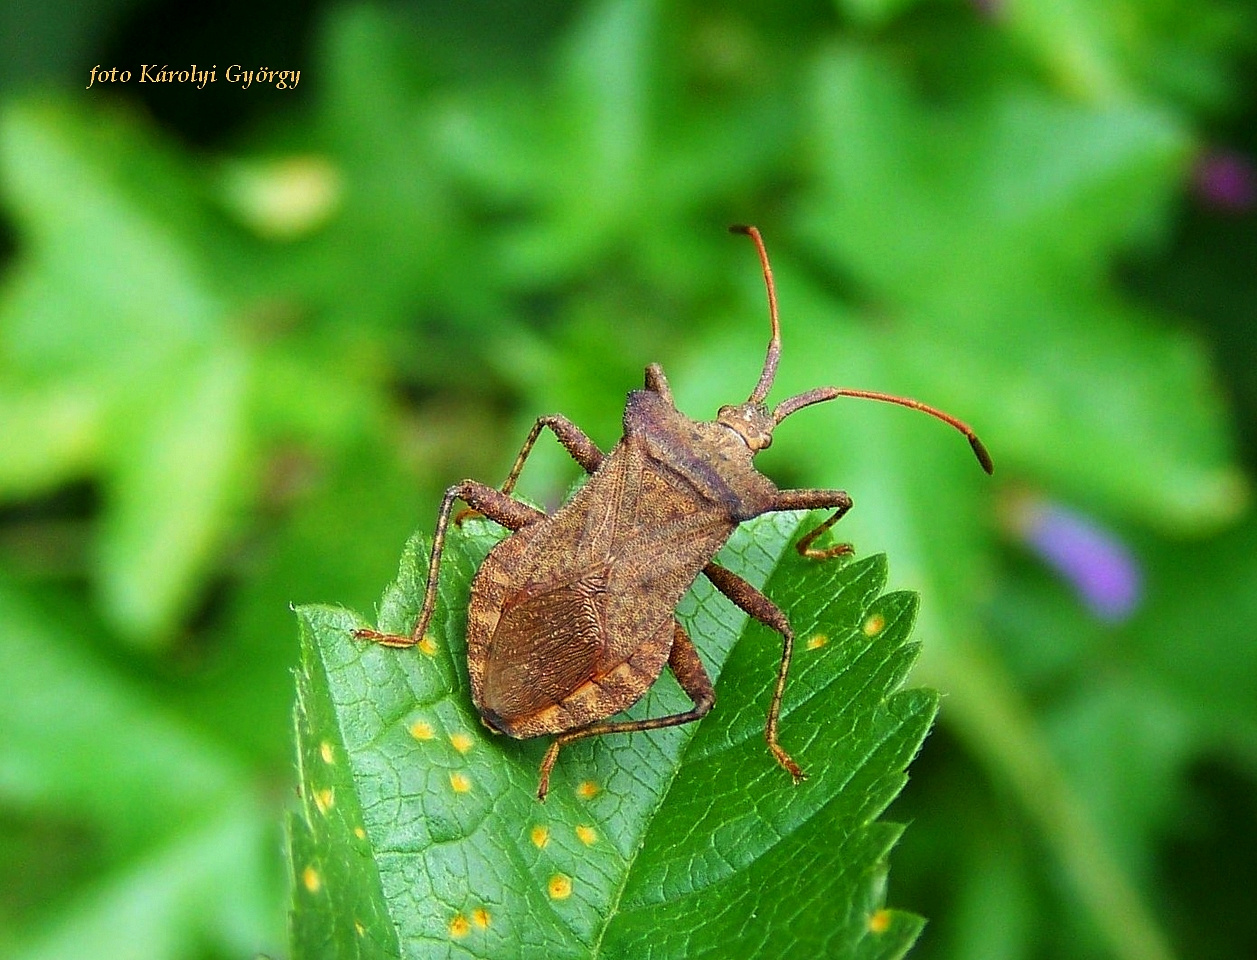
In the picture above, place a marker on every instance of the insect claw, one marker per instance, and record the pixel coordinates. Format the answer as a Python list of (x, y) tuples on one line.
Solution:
[(384, 639), (826, 553), (787, 763), (547, 764)]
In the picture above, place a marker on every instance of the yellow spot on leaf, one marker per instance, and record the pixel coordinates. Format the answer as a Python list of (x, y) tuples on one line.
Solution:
[(462, 741), (310, 877), (325, 751), (459, 927), (874, 624), (323, 799), (560, 887), (816, 641), (586, 835), (587, 790), (427, 646), (879, 922), (540, 836), (359, 928), (459, 782), (480, 917), (421, 730), (360, 833)]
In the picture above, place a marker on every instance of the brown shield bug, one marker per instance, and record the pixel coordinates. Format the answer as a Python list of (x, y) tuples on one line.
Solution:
[(572, 617)]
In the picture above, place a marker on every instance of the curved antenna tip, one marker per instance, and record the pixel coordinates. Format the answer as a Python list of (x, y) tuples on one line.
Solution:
[(740, 228), (980, 451)]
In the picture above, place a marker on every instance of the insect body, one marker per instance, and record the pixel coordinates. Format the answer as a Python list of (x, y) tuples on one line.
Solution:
[(572, 617)]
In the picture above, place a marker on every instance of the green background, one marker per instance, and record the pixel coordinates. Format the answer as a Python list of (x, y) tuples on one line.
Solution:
[(247, 336)]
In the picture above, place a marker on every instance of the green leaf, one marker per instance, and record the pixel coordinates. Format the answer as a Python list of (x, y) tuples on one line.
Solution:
[(50, 434), (966, 206), (420, 832), (874, 13), (208, 884)]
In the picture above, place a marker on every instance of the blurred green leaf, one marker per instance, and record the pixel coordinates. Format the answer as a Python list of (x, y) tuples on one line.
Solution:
[(965, 205), (1112, 725), (874, 12), (595, 146), (176, 480), (157, 774), (1106, 51), (110, 288), (110, 296), (1200, 654), (416, 824), (51, 432), (399, 242), (184, 839), (210, 884), (1077, 43), (986, 234), (1095, 401)]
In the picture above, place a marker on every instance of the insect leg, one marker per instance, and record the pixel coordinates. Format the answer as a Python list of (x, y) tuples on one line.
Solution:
[(817, 500), (767, 613), (583, 450), (690, 673), (493, 504)]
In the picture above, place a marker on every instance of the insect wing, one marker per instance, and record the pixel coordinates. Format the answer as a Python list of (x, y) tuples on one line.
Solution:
[(547, 643)]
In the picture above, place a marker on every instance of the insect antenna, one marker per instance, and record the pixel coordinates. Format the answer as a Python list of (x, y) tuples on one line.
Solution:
[(774, 343), (821, 394)]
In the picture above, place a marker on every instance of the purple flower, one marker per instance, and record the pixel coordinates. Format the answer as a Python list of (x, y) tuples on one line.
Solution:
[(991, 9), (1225, 181), (1093, 559)]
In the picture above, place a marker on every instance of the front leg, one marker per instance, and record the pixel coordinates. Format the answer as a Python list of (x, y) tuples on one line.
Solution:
[(495, 505), (837, 500)]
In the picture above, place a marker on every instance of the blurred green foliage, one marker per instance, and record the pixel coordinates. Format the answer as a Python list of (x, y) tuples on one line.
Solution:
[(247, 336)]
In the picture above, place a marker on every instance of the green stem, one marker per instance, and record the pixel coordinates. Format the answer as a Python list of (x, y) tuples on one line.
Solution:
[(984, 708)]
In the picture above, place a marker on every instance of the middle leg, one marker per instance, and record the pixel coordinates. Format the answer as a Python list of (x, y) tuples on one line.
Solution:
[(483, 499), (766, 612)]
